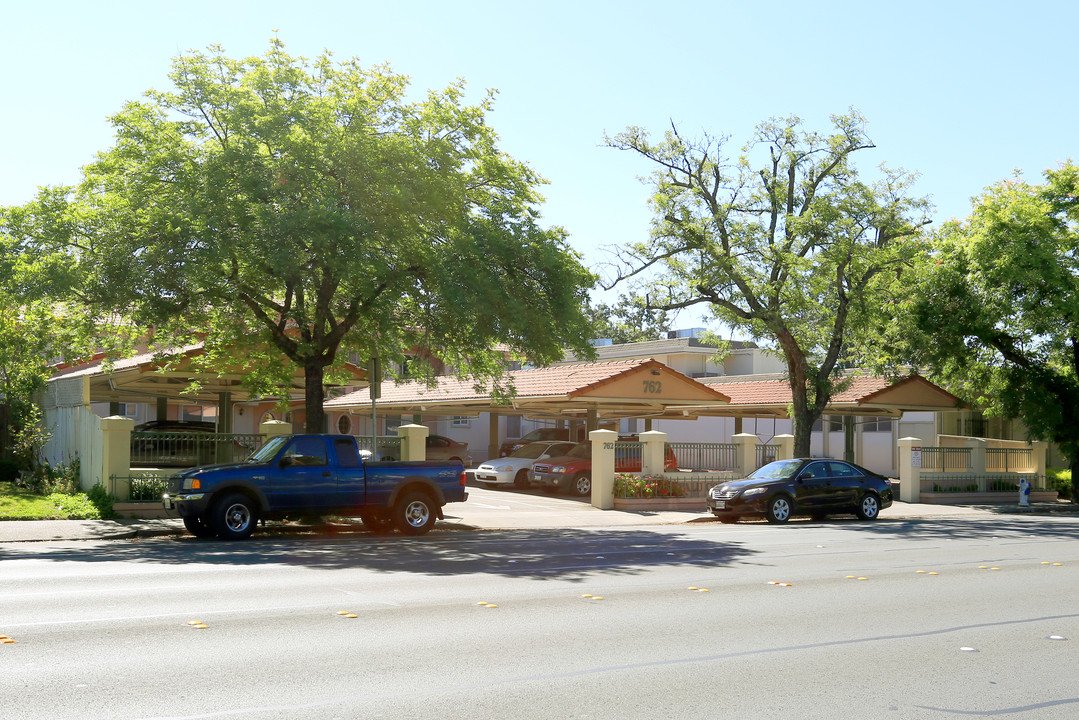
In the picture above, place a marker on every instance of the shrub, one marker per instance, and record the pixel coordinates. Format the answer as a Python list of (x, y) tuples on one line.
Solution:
[(630, 485), (1060, 480), (102, 501)]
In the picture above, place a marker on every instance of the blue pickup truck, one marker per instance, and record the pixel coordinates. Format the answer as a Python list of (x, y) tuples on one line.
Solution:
[(296, 475)]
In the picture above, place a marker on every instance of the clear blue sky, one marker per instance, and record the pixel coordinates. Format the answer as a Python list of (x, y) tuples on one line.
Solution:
[(961, 92)]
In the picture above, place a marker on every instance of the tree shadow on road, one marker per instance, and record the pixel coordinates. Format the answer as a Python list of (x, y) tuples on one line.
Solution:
[(555, 554)]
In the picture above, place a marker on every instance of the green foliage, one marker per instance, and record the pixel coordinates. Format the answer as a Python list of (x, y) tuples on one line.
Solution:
[(101, 500), (56, 499), (786, 243), (630, 485), (629, 320), (287, 212), (1061, 481), (994, 308), (47, 479)]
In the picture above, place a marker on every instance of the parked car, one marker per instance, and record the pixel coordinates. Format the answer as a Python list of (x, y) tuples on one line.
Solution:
[(537, 435), (807, 486), (438, 447), (573, 470), (514, 468), (172, 443)]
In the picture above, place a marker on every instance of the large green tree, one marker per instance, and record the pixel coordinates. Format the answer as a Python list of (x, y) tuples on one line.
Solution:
[(786, 242), (629, 320), (39, 325), (996, 314), (283, 210)]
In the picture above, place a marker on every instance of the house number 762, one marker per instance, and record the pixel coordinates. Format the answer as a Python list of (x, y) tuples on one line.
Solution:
[(653, 387)]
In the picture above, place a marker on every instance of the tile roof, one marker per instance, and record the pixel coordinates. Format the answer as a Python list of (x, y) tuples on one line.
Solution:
[(554, 381)]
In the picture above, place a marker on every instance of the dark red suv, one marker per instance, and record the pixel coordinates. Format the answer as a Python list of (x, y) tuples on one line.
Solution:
[(573, 471)]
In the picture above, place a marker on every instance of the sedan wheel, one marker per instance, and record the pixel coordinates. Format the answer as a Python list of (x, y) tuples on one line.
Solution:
[(520, 481), (869, 508), (779, 510)]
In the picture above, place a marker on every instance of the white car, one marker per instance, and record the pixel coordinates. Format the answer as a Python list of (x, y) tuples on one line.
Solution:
[(513, 469)]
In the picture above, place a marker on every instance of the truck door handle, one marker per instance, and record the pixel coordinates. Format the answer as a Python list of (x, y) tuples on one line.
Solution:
[(325, 473)]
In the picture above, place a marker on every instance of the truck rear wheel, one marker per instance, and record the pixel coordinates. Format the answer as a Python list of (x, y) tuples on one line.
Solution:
[(234, 517), (414, 513)]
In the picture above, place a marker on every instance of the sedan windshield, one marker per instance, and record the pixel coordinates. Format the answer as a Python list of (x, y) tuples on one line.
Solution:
[(530, 451), (776, 470)]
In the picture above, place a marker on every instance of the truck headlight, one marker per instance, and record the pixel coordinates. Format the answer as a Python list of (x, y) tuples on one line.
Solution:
[(558, 469), (192, 484)]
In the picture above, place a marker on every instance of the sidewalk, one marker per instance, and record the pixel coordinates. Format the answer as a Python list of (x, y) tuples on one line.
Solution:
[(512, 512)]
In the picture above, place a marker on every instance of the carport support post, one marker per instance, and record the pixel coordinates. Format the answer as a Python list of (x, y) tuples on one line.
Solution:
[(492, 435), (910, 474), (745, 452), (116, 455), (652, 448), (784, 447), (413, 442), (603, 468)]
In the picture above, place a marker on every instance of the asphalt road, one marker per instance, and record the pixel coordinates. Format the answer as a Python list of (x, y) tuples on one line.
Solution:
[(957, 617)]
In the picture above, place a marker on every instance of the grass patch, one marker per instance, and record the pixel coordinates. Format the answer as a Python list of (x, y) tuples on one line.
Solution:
[(21, 504)]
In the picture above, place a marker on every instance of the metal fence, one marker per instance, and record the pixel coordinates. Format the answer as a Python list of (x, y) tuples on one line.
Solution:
[(704, 457), (143, 488), (1009, 460), (383, 447), (765, 455), (946, 459), (188, 449)]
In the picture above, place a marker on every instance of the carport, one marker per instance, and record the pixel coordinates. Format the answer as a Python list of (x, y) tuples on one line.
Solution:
[(592, 394)]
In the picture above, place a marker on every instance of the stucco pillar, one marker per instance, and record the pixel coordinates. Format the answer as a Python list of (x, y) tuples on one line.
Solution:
[(910, 469), (603, 468), (653, 445), (1038, 449), (270, 428), (977, 460), (746, 452), (784, 447), (116, 455), (413, 442)]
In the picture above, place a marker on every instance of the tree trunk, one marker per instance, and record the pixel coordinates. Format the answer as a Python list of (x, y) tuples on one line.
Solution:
[(315, 416), (1075, 485)]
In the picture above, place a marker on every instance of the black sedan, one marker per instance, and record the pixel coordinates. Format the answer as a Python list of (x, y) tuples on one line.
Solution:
[(809, 486)]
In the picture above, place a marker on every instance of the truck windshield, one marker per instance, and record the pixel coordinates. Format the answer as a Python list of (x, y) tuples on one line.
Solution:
[(267, 452)]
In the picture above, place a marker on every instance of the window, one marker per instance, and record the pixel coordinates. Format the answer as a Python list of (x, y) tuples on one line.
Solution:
[(461, 421), (267, 417), (882, 425), (392, 423), (839, 469), (346, 453), (835, 423), (130, 410), (308, 452), (344, 424), (513, 426)]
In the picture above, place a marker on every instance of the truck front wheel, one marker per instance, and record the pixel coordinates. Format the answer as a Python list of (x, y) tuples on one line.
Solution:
[(414, 514), (234, 517), (197, 526)]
